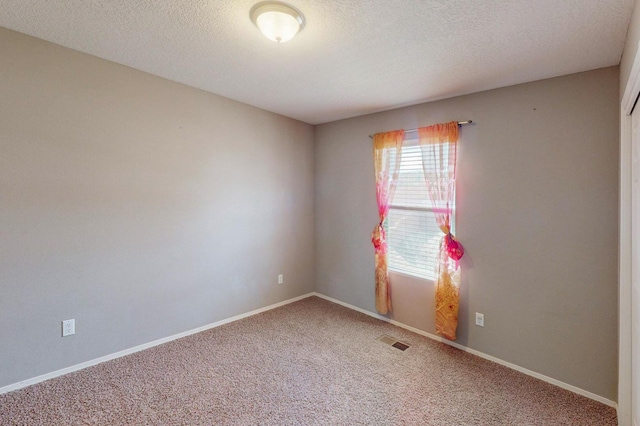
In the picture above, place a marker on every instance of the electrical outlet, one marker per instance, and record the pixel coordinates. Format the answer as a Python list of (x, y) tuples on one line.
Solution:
[(280, 279), (68, 327), (479, 319)]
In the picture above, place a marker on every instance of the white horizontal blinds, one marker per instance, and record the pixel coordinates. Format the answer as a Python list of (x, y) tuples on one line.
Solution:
[(413, 240), (412, 233)]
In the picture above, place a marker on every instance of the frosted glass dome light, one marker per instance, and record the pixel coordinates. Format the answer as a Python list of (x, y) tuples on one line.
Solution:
[(277, 21)]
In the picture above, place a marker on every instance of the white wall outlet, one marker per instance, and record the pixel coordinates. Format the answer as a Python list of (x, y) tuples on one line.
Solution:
[(68, 327), (479, 319), (280, 279)]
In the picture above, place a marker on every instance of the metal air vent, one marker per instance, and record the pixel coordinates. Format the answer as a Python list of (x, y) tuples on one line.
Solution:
[(393, 342)]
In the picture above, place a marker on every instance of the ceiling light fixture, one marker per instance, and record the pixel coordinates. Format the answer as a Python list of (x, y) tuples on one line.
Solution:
[(278, 21)]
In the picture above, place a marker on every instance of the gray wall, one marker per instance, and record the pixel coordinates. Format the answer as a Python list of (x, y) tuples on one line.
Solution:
[(537, 214), (138, 206), (143, 208)]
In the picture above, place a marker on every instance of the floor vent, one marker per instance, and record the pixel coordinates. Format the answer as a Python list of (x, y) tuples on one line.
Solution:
[(400, 346), (393, 342)]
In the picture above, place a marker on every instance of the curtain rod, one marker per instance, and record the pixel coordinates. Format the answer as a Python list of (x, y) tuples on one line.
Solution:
[(460, 123)]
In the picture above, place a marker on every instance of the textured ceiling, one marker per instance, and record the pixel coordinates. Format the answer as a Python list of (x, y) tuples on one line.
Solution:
[(353, 57)]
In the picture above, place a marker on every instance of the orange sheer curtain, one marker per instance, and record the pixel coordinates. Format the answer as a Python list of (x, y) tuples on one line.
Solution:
[(387, 152), (439, 145)]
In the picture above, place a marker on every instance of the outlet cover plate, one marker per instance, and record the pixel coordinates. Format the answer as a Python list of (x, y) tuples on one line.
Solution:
[(479, 319), (280, 279), (68, 327)]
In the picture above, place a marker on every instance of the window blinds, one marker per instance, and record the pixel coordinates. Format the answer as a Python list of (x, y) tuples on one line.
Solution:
[(412, 233)]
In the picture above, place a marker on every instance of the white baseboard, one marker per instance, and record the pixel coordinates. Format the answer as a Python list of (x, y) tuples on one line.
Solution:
[(531, 373), (42, 378), (67, 370)]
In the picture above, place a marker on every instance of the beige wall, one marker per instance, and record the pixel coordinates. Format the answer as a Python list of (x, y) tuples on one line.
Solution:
[(537, 214), (138, 206), (626, 404), (630, 48)]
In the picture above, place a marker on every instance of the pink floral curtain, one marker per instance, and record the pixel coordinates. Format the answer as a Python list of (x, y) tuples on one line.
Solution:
[(387, 152), (439, 145)]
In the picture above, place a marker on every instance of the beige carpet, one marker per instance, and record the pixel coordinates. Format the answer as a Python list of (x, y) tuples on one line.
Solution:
[(310, 363)]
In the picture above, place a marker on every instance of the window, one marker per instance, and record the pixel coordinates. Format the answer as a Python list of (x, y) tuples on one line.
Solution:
[(413, 237)]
